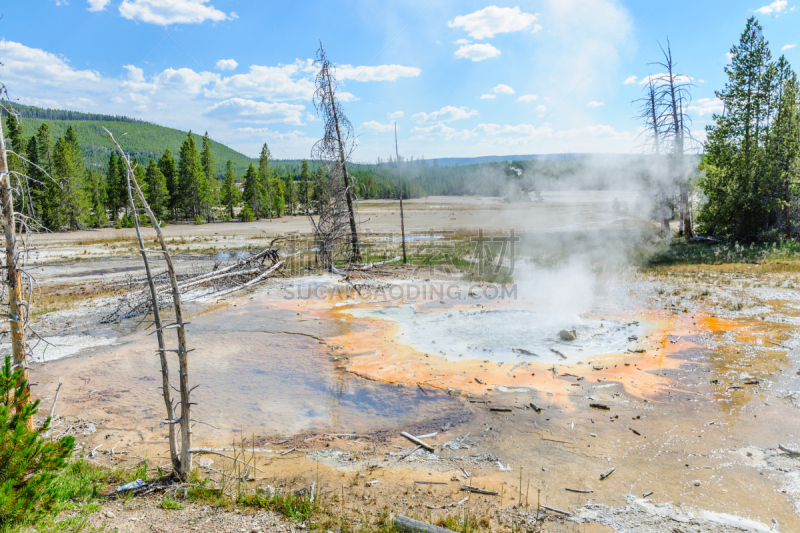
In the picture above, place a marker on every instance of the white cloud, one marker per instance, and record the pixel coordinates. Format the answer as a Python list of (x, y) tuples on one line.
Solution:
[(595, 103), (775, 7), (242, 109), (502, 89), (540, 108), (477, 52), (488, 96), (377, 127), (528, 98), (397, 114), (630, 79), (462, 41), (165, 12), (376, 73), (445, 114), (427, 133), (227, 64), (491, 20), (24, 65), (184, 80), (97, 5), (282, 82), (662, 79), (706, 106), (537, 28), (788, 47)]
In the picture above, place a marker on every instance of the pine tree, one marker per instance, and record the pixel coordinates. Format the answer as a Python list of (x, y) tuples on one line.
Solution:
[(190, 178), (169, 169), (252, 191), (230, 194), (96, 195), (70, 168), (278, 196), (264, 178), (305, 177), (37, 181), (155, 189), (17, 144), (318, 197), (28, 461), (209, 193), (747, 169), (290, 194), (114, 197), (48, 190)]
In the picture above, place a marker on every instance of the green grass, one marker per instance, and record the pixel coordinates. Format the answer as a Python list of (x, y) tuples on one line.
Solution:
[(682, 253), (169, 503)]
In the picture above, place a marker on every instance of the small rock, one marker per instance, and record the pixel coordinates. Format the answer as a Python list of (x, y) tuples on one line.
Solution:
[(109, 514), (401, 384), (696, 483), (568, 335)]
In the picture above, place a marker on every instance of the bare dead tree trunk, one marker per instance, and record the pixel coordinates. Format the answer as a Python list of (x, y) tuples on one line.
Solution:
[(13, 279), (652, 115), (185, 458), (679, 166), (400, 192), (165, 384), (333, 150), (348, 190)]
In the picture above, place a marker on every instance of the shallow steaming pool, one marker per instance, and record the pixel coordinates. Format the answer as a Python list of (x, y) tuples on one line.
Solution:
[(507, 335)]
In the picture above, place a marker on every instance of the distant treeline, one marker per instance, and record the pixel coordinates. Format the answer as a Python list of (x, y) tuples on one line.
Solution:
[(25, 111), (141, 139)]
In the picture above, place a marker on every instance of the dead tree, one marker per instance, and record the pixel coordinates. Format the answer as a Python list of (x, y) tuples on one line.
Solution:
[(400, 193), (676, 95), (184, 457), (17, 305), (653, 119), (162, 348), (336, 145)]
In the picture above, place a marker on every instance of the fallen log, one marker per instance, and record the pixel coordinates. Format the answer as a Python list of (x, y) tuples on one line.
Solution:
[(607, 473), (416, 441), (567, 513), (476, 490), (405, 523)]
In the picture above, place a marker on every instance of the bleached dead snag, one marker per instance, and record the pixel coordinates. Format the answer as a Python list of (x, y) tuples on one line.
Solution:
[(677, 96), (333, 151), (654, 120), (165, 384), (400, 193), (184, 463), (16, 304)]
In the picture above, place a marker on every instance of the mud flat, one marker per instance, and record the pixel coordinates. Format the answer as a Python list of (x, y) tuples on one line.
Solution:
[(697, 412), (674, 408)]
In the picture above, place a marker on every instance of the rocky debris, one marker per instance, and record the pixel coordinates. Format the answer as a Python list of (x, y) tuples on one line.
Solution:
[(643, 516)]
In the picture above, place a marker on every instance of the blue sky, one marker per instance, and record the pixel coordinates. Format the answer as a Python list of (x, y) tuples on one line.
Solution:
[(461, 78)]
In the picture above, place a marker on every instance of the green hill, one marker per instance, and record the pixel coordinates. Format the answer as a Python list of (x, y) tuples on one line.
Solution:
[(138, 138)]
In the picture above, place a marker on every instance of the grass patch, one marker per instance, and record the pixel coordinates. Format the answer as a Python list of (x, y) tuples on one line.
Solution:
[(169, 503), (783, 256)]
